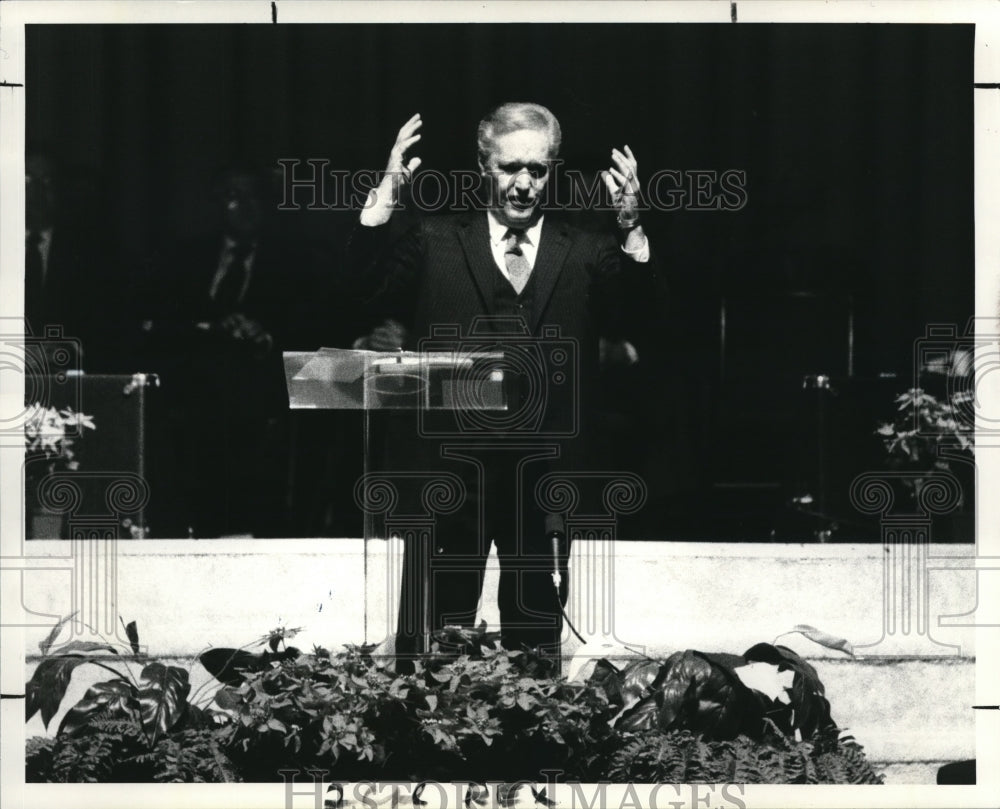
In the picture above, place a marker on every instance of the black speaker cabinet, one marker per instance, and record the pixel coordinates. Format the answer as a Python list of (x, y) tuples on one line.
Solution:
[(103, 490)]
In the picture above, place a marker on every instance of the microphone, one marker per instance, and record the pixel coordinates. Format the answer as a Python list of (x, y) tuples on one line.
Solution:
[(555, 533)]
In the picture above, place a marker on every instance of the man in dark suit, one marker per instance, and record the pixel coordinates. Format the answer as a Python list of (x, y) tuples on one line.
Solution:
[(219, 311), (544, 291)]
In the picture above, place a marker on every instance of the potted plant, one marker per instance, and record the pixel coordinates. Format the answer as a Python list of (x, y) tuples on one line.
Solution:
[(934, 434), (49, 435)]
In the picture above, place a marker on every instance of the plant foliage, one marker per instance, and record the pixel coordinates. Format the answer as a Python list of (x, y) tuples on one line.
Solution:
[(928, 431), (469, 711), (683, 757)]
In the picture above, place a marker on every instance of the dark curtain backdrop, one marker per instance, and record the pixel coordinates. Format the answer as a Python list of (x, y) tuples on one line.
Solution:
[(856, 141)]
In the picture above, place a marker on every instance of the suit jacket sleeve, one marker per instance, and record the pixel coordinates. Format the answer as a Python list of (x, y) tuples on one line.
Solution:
[(628, 297), (385, 273)]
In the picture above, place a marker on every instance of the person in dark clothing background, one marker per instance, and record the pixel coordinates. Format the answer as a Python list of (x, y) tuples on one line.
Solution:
[(220, 309), (64, 268)]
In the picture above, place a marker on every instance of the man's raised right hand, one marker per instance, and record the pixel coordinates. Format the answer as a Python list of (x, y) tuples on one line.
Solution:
[(398, 171)]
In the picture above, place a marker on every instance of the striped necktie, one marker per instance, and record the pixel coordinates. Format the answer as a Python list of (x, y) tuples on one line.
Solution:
[(518, 268)]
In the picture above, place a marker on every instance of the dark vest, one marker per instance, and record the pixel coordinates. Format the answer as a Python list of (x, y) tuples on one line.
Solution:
[(507, 303)]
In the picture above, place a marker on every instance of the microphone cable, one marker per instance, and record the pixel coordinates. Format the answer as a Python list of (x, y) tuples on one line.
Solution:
[(555, 532)]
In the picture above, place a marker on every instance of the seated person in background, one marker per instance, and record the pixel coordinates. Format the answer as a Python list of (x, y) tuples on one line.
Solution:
[(62, 283), (220, 308)]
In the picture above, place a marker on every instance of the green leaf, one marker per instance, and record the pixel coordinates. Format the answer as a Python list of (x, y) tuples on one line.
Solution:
[(507, 793), (811, 710), (768, 679), (162, 702), (228, 698), (118, 698), (476, 794), (822, 638), (541, 797), (228, 665), (132, 632), (702, 692), (46, 644), (85, 646), (48, 685)]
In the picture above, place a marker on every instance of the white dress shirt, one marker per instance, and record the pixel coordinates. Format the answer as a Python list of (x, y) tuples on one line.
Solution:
[(529, 244), (224, 258), (44, 248)]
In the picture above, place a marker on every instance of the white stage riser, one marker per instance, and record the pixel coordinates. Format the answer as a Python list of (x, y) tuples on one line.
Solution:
[(907, 697)]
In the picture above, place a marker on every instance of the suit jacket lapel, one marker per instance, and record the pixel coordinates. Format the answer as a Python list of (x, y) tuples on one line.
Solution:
[(474, 234), (552, 249)]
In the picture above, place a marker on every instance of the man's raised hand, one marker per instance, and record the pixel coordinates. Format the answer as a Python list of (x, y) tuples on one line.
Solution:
[(398, 171), (407, 136), (622, 182)]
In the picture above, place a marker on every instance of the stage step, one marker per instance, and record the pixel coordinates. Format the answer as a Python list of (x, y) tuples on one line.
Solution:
[(908, 699)]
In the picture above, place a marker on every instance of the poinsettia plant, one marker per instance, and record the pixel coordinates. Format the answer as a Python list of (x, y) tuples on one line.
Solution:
[(924, 424), (49, 435), (930, 431)]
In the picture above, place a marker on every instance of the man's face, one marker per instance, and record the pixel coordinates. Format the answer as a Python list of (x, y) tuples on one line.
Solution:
[(519, 168)]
